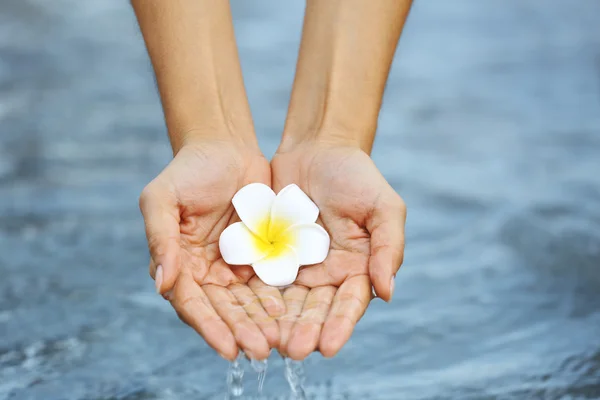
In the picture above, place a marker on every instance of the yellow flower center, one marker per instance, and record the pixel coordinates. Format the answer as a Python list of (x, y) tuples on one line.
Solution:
[(272, 238)]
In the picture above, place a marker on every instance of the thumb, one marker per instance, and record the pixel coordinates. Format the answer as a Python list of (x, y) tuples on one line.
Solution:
[(386, 227), (161, 217)]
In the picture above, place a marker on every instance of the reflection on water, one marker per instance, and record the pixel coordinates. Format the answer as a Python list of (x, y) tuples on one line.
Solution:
[(490, 130)]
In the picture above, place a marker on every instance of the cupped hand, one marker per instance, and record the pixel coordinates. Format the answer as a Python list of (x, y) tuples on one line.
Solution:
[(365, 219), (185, 209)]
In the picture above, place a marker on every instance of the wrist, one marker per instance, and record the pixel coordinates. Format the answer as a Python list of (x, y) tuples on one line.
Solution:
[(200, 136), (211, 130), (348, 132), (323, 138)]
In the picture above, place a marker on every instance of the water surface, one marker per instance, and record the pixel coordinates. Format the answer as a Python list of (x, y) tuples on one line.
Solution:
[(490, 130)]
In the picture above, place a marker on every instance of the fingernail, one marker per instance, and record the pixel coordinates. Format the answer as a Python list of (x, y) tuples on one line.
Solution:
[(158, 278), (392, 285)]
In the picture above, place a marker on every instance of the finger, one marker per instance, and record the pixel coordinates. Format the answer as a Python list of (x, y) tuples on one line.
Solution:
[(161, 218), (304, 338), (386, 227), (165, 294), (246, 333), (349, 305), (243, 272), (270, 297), (194, 308), (267, 324), (293, 297)]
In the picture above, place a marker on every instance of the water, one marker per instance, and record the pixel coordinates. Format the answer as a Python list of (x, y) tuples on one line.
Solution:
[(260, 367), (294, 374), (235, 376), (490, 130)]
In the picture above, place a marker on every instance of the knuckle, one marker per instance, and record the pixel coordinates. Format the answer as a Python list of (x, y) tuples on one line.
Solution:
[(401, 257), (351, 301), (156, 245), (152, 269), (400, 205), (249, 303), (157, 193), (146, 195)]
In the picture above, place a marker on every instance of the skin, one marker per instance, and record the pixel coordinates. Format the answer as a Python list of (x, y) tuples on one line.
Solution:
[(186, 207), (345, 56), (365, 221)]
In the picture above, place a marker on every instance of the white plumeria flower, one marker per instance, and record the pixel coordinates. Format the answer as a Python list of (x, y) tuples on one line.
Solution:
[(277, 235)]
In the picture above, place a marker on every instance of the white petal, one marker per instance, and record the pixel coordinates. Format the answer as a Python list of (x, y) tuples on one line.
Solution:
[(310, 241), (278, 269), (239, 246), (253, 204), (291, 206)]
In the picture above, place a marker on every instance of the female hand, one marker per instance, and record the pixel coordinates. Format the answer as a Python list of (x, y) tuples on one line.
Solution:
[(185, 209), (365, 220)]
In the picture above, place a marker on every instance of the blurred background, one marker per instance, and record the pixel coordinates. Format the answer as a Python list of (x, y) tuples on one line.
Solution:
[(490, 130)]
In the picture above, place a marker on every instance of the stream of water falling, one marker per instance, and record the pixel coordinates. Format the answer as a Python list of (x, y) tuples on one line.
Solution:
[(235, 376), (294, 375), (260, 367)]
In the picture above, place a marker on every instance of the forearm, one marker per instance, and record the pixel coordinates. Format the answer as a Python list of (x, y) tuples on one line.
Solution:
[(345, 56), (192, 47)]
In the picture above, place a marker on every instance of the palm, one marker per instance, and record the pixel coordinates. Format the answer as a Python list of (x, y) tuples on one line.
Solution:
[(205, 186), (220, 302), (348, 189)]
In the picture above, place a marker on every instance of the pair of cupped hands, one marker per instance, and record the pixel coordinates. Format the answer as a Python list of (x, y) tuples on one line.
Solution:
[(188, 205)]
